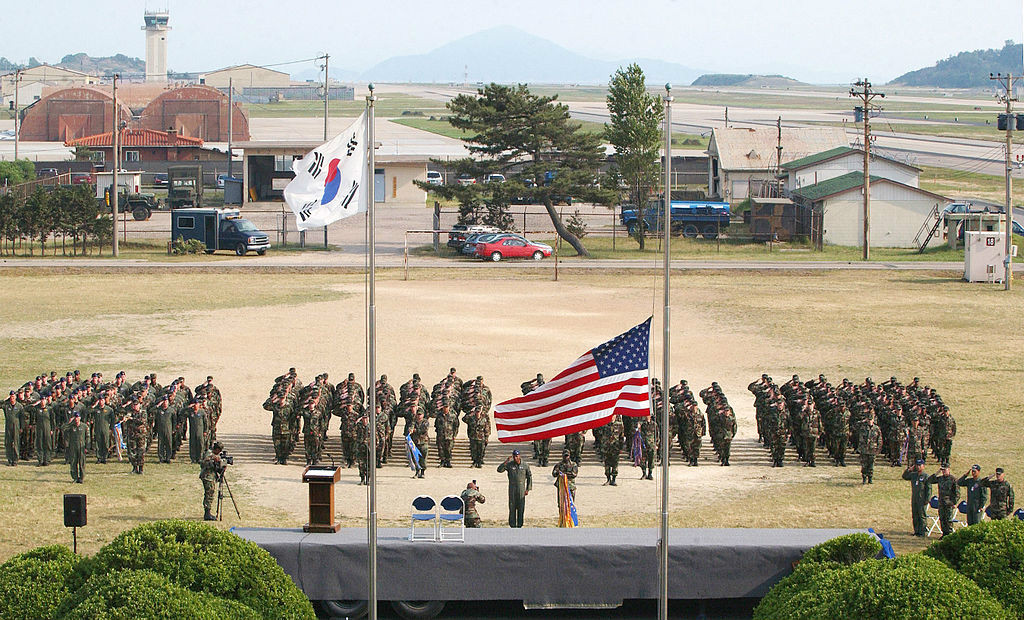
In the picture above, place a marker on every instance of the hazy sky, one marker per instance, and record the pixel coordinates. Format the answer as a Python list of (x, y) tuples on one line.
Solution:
[(813, 40)]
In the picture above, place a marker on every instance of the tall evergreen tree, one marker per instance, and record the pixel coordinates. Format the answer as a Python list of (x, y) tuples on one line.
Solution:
[(530, 139), (635, 132)]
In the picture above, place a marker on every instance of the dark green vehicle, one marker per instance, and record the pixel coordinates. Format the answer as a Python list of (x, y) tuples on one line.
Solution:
[(184, 186)]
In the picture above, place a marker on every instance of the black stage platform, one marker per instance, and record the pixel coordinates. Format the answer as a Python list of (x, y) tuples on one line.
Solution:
[(541, 566)]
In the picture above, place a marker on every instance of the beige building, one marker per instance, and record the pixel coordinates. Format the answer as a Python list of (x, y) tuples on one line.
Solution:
[(33, 81), (267, 169), (898, 214), (246, 76), (839, 161), (742, 159)]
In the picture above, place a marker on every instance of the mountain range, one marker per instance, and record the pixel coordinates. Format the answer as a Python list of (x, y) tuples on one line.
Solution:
[(967, 69), (506, 54)]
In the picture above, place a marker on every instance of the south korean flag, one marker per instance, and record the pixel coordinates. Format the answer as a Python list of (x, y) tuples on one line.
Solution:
[(328, 183)]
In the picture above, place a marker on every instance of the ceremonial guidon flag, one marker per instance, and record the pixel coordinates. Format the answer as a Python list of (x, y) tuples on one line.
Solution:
[(607, 380), (328, 180)]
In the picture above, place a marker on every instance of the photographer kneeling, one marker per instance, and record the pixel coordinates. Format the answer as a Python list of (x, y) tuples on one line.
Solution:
[(212, 469)]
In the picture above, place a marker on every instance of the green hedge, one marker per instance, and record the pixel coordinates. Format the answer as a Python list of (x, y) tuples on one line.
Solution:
[(33, 583), (990, 553), (145, 595), (201, 558), (848, 549), (912, 586)]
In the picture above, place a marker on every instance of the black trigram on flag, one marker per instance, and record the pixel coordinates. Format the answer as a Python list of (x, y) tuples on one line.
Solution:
[(317, 165), (352, 144), (307, 209), (351, 193)]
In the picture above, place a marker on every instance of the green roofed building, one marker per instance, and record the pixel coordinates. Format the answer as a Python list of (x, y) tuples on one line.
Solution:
[(841, 160)]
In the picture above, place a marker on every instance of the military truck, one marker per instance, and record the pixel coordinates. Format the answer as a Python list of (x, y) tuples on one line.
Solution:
[(184, 186), (219, 229), (129, 199)]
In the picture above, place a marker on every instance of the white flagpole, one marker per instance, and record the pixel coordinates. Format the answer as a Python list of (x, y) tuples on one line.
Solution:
[(371, 335), (665, 381)]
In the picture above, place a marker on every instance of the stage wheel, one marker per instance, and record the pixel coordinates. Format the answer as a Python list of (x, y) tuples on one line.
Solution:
[(418, 610), (341, 610)]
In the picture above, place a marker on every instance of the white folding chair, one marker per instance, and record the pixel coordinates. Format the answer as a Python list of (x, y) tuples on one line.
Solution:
[(933, 517), (424, 512), (452, 524)]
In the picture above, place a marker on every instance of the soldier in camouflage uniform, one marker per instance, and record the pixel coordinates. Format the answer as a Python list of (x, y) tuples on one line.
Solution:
[(810, 430), (691, 429), (541, 447), (574, 444), (12, 428), (419, 434), (136, 437), (209, 472), (777, 427), (445, 405), (212, 398), (413, 399), (943, 429), (649, 435), (315, 409), (281, 402), (470, 498), (949, 495), (568, 467), (611, 448), (476, 402), (1001, 495), (385, 396), (362, 448), (869, 444), (348, 406), (721, 421), (917, 441)]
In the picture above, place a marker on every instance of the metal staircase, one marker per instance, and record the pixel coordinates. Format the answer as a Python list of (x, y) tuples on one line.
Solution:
[(930, 226)]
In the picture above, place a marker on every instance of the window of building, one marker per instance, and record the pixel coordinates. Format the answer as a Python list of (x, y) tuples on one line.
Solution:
[(131, 156)]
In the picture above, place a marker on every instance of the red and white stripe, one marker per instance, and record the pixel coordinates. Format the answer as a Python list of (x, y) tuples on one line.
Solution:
[(577, 399)]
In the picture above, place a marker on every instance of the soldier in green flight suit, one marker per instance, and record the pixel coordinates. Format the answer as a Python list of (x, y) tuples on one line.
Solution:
[(12, 427), (921, 494), (196, 431), (44, 436), (520, 483), (163, 428), (977, 494), (949, 495), (75, 435), (102, 421)]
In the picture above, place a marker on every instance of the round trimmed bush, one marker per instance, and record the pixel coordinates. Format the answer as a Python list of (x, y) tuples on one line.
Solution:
[(32, 584), (201, 558), (991, 554), (912, 586), (848, 549), (145, 595)]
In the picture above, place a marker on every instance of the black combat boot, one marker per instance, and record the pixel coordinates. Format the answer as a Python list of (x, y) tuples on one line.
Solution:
[(870, 481), (613, 481), (726, 463), (209, 517)]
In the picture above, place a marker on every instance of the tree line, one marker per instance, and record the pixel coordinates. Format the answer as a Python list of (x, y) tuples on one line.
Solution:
[(68, 218)]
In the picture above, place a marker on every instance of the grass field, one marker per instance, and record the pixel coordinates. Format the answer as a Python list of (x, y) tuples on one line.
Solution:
[(965, 340), (955, 183), (388, 105)]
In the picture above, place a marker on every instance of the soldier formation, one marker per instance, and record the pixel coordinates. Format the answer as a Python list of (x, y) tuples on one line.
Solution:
[(309, 409), (81, 416)]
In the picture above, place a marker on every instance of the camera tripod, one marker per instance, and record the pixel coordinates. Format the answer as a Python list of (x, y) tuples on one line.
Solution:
[(222, 483)]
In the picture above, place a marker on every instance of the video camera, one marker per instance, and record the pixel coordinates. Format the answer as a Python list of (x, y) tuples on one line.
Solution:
[(226, 459)]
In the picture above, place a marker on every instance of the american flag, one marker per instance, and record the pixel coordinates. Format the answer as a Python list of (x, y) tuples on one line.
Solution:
[(609, 379)]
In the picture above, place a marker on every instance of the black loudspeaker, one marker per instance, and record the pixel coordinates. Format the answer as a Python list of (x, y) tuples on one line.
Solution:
[(74, 510), (1003, 121)]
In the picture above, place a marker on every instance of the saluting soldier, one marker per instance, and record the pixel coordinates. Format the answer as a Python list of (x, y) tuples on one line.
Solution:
[(1001, 495), (385, 397), (12, 428), (75, 435), (136, 437), (163, 427), (541, 447), (977, 494), (869, 445), (196, 431), (649, 434), (44, 438), (949, 495), (921, 494), (419, 434), (102, 419)]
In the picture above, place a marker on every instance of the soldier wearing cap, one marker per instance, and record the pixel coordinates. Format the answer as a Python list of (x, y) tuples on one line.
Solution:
[(921, 494), (520, 482), (569, 468), (12, 427), (197, 432), (211, 468), (163, 427), (470, 498), (949, 495), (1001, 495), (103, 419), (977, 494), (75, 435)]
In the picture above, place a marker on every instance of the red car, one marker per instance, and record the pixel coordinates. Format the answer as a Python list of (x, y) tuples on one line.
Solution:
[(512, 247)]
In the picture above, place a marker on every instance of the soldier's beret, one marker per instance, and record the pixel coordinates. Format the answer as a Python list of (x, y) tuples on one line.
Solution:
[(919, 462), (999, 470)]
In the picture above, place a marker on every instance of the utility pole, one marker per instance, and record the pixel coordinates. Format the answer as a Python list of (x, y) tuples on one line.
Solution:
[(726, 117), (115, 139), (866, 95), (1006, 81), (17, 80), (778, 158), (231, 115), (327, 91)]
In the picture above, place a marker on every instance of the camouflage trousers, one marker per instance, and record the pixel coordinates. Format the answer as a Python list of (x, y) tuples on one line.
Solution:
[(444, 449), (542, 449), (611, 462), (723, 447), (477, 449), (946, 518), (867, 465), (693, 449), (282, 442), (348, 448), (473, 521), (209, 493), (810, 444), (137, 451), (778, 447), (314, 447)]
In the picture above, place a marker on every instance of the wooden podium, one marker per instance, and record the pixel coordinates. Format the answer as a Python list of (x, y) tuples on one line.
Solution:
[(321, 480)]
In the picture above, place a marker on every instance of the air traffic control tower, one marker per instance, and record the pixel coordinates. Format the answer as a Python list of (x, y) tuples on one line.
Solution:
[(156, 45)]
